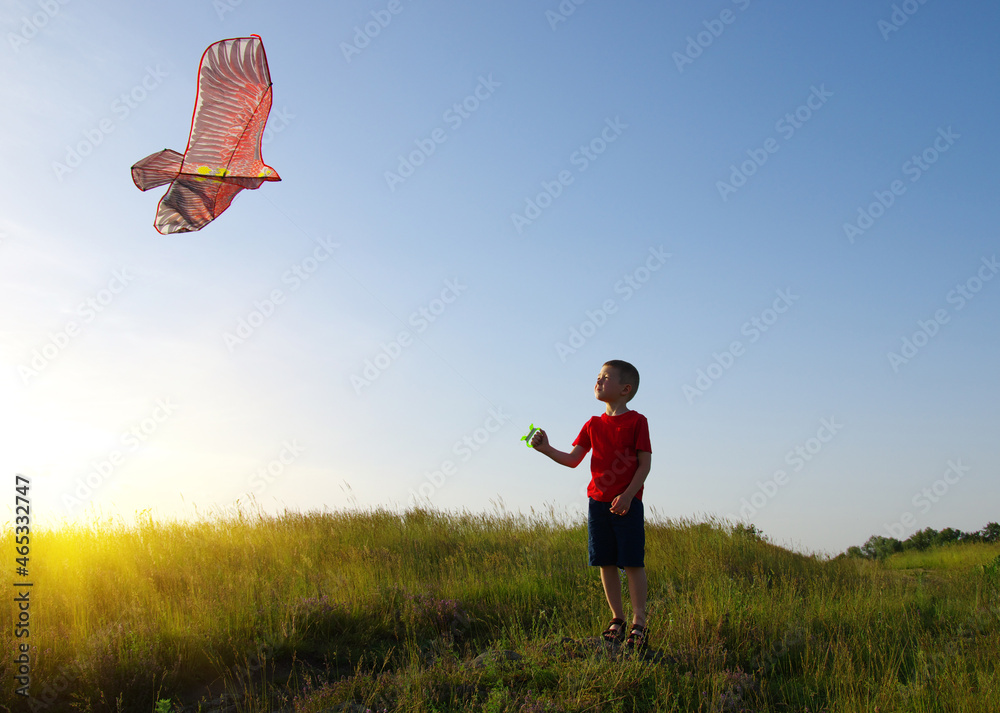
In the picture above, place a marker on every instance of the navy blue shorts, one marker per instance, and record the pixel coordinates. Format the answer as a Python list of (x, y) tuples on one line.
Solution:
[(616, 540)]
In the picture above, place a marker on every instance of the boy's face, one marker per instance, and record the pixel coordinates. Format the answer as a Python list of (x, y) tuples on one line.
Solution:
[(608, 387)]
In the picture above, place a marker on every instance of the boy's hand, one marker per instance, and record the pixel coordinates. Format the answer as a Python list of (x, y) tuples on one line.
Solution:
[(621, 504), (539, 440)]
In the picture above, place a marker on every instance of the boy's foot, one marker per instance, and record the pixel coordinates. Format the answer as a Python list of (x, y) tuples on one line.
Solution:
[(615, 632), (637, 638)]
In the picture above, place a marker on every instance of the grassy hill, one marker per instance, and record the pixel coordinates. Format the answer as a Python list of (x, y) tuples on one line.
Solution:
[(382, 611)]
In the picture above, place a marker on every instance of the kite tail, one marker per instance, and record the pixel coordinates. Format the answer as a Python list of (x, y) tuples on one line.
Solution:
[(157, 169)]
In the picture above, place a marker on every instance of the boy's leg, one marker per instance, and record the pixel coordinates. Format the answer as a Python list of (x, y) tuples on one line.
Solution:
[(603, 552), (637, 593), (613, 591), (630, 532)]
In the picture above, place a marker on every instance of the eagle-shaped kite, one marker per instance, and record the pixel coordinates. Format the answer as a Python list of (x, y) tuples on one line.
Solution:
[(223, 150)]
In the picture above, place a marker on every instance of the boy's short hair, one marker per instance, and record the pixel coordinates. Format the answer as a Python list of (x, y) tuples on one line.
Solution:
[(627, 374)]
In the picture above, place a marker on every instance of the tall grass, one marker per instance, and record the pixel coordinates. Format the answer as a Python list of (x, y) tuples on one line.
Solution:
[(952, 556), (388, 611)]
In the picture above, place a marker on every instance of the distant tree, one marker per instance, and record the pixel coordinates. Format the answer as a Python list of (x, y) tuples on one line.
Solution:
[(949, 535), (921, 539), (970, 537), (991, 533), (878, 547)]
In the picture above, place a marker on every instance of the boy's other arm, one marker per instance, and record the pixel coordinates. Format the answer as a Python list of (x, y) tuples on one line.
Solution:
[(620, 505), (645, 459), (540, 442)]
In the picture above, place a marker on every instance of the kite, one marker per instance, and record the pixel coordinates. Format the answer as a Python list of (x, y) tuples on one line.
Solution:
[(223, 151)]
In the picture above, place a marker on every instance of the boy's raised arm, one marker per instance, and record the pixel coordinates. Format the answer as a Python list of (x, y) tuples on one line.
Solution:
[(540, 442)]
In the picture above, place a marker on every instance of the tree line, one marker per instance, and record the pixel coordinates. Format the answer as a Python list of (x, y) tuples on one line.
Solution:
[(879, 547)]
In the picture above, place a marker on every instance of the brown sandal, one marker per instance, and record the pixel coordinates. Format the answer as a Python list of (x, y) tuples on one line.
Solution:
[(637, 638), (612, 635)]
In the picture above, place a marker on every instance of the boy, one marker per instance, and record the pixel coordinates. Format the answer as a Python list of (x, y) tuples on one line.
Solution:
[(618, 466)]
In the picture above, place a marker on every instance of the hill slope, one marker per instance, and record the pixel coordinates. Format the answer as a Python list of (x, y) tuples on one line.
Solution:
[(390, 611)]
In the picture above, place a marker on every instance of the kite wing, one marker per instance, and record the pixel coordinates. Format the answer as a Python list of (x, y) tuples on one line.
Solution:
[(234, 99), (192, 202), (223, 153)]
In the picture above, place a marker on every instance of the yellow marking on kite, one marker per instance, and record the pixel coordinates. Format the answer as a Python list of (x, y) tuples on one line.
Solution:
[(208, 171)]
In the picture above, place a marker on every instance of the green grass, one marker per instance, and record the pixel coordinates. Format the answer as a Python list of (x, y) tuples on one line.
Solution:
[(305, 612), (946, 557)]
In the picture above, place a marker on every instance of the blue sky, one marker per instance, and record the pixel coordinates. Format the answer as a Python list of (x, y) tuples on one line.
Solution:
[(480, 204)]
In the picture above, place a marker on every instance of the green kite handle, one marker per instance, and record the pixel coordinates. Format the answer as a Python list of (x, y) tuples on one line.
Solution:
[(531, 433)]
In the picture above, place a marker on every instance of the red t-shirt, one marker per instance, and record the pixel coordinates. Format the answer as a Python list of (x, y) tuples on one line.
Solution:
[(615, 441)]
